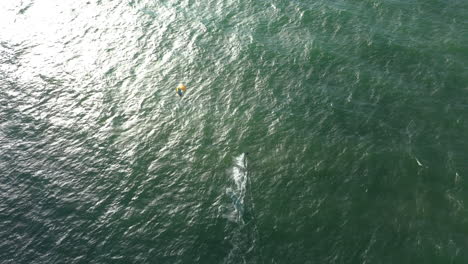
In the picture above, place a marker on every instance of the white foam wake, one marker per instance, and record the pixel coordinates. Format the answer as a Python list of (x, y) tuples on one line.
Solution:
[(237, 192)]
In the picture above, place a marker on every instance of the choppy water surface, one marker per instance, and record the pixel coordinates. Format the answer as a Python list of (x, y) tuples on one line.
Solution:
[(353, 115)]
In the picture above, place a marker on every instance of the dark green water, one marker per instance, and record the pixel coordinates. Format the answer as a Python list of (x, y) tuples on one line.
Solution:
[(353, 115)]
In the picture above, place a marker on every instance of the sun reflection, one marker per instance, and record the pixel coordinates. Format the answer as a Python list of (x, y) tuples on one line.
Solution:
[(78, 48), (43, 29)]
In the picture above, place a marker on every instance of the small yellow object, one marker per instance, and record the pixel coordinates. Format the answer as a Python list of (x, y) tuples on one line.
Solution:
[(181, 89)]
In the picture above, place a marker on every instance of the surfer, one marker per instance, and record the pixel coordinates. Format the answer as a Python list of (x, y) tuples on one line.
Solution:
[(181, 89)]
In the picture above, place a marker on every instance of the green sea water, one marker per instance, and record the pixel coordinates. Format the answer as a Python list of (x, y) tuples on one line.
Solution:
[(311, 131)]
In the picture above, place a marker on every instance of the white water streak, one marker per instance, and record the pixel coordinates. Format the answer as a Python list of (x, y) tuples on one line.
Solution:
[(237, 192)]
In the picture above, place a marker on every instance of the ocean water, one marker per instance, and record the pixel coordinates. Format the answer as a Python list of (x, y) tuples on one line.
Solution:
[(311, 131)]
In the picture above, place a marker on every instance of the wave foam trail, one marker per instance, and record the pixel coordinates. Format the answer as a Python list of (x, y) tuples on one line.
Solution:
[(237, 192), (243, 235)]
